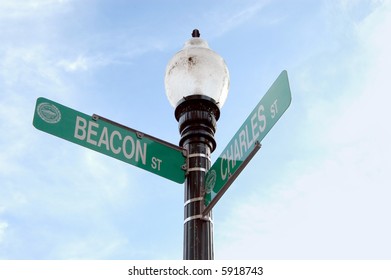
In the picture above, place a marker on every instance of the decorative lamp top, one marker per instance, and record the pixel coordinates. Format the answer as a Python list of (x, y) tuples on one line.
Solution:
[(196, 70)]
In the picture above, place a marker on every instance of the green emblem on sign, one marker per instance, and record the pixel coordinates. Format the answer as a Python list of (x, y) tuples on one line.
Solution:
[(48, 112), (210, 181)]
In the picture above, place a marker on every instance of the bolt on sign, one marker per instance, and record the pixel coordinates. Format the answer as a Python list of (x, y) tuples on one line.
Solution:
[(112, 139), (246, 141)]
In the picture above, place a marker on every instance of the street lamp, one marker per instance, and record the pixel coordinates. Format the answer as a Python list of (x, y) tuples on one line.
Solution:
[(197, 82)]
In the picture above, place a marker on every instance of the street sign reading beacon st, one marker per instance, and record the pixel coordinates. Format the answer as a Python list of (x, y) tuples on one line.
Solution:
[(112, 139), (246, 141)]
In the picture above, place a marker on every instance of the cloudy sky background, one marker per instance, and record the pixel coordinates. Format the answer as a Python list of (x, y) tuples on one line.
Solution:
[(318, 189)]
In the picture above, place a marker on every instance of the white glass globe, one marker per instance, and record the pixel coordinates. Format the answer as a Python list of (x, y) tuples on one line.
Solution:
[(196, 70)]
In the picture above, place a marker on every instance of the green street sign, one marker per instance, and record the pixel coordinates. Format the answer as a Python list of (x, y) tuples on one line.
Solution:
[(112, 139), (246, 141)]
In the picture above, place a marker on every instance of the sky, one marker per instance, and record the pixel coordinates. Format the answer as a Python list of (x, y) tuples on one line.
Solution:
[(319, 188)]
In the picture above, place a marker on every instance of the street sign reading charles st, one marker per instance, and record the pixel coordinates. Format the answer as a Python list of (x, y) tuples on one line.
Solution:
[(246, 141), (112, 139)]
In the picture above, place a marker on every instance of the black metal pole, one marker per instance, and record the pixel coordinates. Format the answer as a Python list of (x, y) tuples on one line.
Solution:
[(197, 116)]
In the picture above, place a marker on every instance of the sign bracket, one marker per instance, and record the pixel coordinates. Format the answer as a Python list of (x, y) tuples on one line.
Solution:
[(139, 134)]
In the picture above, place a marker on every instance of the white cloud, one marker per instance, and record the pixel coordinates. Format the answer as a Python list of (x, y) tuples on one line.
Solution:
[(92, 246), (79, 64), (224, 22), (101, 170), (335, 209), (3, 225), (10, 9), (73, 196), (3, 228), (241, 16), (30, 68), (25, 74), (336, 205)]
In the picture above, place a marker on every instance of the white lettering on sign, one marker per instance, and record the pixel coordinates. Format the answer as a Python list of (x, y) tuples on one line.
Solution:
[(81, 125), (156, 163), (90, 131), (116, 150), (244, 141), (274, 109), (261, 118), (131, 141), (104, 139), (131, 148)]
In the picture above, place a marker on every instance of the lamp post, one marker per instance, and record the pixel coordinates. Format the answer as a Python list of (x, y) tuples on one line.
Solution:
[(197, 82)]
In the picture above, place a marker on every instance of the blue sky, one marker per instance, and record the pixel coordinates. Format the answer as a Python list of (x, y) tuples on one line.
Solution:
[(318, 189)]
